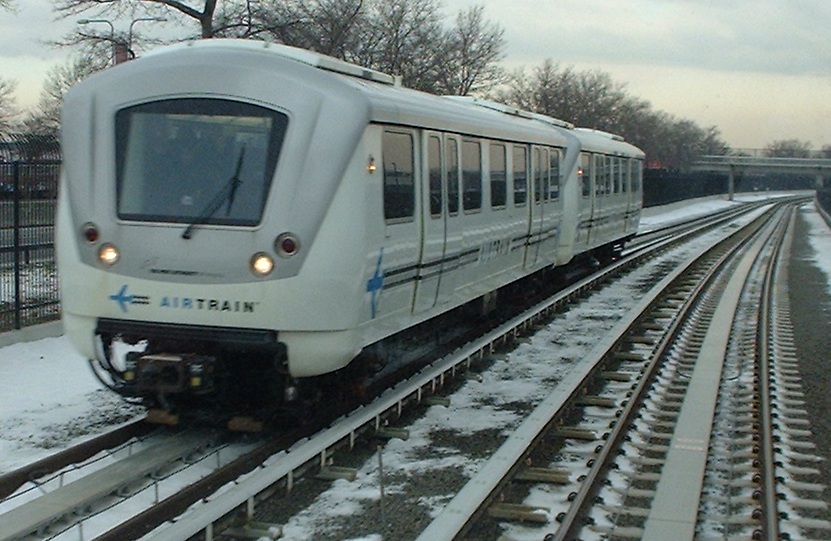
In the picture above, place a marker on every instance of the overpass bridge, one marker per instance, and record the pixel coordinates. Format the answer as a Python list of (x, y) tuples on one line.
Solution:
[(733, 165)]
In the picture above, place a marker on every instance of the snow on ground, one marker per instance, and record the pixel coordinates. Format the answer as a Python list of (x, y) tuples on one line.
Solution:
[(820, 239), (49, 398)]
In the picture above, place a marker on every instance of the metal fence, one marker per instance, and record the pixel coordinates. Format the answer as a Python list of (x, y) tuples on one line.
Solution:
[(28, 278)]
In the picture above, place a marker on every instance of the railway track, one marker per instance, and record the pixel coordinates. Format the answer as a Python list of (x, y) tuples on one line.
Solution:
[(282, 473), (697, 444), (317, 455), (33, 472), (85, 499)]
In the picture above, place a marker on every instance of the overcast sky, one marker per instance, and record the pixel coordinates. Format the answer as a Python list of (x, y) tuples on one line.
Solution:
[(759, 70)]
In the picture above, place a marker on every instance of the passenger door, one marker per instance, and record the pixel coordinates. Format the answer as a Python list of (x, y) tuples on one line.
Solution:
[(433, 189), (453, 220), (587, 196), (539, 188), (392, 285), (553, 211)]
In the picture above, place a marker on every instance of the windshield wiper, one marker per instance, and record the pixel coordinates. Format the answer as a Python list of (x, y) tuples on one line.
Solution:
[(227, 193)]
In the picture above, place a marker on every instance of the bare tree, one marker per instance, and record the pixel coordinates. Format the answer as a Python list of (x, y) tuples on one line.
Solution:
[(45, 119), (589, 98), (400, 37), (473, 48), (8, 5), (788, 148), (592, 99), (201, 11), (331, 27), (8, 109)]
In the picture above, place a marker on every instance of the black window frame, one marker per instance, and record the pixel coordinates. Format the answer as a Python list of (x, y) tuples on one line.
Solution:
[(520, 182), (434, 173), (498, 158), (195, 108), (399, 203), (471, 175)]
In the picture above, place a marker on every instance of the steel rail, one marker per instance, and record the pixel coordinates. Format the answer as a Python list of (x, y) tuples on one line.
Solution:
[(572, 522), (674, 513), (13, 480), (454, 520), (708, 220), (93, 491), (770, 514)]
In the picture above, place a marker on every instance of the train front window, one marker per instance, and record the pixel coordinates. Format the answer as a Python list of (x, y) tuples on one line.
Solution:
[(206, 161)]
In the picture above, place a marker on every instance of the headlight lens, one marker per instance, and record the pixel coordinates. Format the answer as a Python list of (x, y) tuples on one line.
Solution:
[(108, 254), (261, 264)]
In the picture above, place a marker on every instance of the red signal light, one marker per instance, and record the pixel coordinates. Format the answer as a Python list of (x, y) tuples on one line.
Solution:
[(287, 245), (90, 233)]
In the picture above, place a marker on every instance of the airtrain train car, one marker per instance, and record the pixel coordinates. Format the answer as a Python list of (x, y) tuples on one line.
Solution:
[(242, 215)]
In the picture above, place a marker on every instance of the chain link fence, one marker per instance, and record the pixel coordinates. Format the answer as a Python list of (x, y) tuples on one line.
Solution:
[(29, 172)]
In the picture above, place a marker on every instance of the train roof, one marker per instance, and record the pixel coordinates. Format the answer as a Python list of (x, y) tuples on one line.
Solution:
[(305, 56), (607, 143), (381, 94)]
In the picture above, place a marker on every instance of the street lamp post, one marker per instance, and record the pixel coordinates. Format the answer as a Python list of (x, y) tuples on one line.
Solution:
[(112, 32), (140, 19), (122, 51)]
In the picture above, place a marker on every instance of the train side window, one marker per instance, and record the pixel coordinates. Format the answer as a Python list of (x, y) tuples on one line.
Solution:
[(434, 168), (399, 182), (618, 175), (609, 175), (601, 176), (626, 173), (554, 170), (499, 187), (586, 174), (520, 173), (540, 174), (637, 176), (471, 175), (452, 164)]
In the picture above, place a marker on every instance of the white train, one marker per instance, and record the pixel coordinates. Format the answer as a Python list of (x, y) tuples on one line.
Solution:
[(245, 215)]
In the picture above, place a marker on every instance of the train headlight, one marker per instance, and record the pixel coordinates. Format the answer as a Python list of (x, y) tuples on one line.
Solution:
[(261, 264), (287, 245), (108, 254)]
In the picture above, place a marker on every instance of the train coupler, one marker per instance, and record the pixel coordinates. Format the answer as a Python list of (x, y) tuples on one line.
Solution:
[(167, 373)]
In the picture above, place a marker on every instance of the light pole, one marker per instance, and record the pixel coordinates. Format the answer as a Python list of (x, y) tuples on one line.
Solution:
[(112, 32), (140, 19), (122, 51)]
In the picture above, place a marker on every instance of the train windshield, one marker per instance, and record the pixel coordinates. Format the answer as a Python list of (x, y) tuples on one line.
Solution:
[(196, 161)]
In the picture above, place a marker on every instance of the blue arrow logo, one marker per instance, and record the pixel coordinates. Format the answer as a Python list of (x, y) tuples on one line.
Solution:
[(122, 298), (375, 285)]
